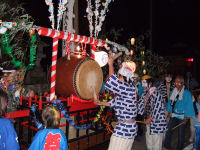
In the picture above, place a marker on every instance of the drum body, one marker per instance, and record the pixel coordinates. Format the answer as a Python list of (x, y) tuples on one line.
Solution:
[(78, 76)]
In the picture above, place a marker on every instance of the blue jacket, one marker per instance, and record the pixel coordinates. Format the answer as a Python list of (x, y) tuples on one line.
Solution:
[(8, 136), (184, 106), (195, 118), (47, 138)]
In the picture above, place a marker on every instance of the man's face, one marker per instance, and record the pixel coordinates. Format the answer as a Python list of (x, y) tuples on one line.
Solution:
[(145, 84), (10, 78), (168, 78), (179, 83)]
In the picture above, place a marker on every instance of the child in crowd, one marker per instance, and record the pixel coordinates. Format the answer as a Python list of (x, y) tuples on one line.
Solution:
[(51, 137), (197, 123), (8, 135), (124, 105)]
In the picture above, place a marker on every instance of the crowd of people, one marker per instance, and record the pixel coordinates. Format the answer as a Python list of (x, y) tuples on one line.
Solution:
[(165, 106)]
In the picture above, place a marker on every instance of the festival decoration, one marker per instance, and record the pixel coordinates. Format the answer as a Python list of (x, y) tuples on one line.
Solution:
[(105, 98), (144, 71), (99, 16), (69, 36), (57, 103), (64, 112), (61, 9), (102, 58), (2, 30), (32, 50), (38, 124), (51, 11), (7, 49), (131, 52), (132, 41), (119, 47), (90, 16), (143, 63), (53, 67)]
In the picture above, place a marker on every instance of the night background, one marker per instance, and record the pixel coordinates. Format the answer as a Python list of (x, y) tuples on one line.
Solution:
[(173, 21), (172, 27)]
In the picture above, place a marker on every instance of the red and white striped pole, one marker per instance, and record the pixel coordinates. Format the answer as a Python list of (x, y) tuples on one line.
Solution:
[(69, 36), (53, 67), (93, 50)]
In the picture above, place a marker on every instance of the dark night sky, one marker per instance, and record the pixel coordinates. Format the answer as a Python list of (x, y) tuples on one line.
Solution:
[(174, 21)]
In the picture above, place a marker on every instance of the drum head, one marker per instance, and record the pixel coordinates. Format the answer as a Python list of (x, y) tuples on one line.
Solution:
[(88, 77)]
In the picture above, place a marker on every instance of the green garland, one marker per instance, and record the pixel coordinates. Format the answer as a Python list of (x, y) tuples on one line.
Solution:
[(32, 52), (7, 49), (106, 98)]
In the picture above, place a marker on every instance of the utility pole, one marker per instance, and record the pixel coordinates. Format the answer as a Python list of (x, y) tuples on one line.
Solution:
[(151, 26)]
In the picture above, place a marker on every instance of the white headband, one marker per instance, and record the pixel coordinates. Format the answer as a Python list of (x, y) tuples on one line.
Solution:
[(8, 71)]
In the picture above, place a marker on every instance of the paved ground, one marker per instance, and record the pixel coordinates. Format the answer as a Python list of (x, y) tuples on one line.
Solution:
[(139, 143)]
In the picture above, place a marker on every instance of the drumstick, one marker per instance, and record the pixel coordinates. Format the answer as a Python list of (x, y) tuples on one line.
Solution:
[(95, 95), (140, 122), (178, 125), (117, 55)]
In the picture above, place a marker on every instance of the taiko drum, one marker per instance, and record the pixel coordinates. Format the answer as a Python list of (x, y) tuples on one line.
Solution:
[(78, 76)]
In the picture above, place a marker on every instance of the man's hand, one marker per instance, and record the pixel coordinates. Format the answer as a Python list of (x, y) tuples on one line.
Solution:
[(185, 120), (168, 116), (148, 121), (97, 102), (30, 94), (110, 60)]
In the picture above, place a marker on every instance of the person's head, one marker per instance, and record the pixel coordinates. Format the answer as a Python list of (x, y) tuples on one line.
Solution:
[(188, 74), (125, 73), (3, 102), (9, 77), (8, 74), (179, 82), (147, 81), (51, 117), (20, 75), (168, 77)]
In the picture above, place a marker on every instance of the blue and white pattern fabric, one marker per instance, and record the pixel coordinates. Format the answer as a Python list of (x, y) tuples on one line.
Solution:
[(162, 89), (125, 106), (157, 110), (8, 136), (183, 107)]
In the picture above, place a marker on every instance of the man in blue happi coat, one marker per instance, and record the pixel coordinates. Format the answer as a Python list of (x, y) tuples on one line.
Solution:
[(180, 109)]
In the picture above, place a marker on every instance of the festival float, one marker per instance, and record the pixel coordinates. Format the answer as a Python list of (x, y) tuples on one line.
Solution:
[(74, 79)]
